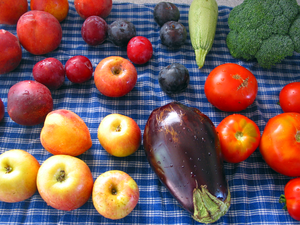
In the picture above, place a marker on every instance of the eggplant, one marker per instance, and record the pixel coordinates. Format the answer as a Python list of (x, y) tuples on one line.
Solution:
[(183, 149)]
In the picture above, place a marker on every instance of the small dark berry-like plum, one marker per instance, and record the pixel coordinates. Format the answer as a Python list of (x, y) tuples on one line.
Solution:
[(174, 78), (120, 32), (164, 12), (94, 30), (173, 34)]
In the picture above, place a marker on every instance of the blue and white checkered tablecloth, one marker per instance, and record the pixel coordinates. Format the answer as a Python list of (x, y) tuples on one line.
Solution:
[(255, 188)]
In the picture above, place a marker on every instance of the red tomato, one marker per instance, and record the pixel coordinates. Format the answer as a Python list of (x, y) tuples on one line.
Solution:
[(280, 144), (239, 137), (289, 97), (231, 87), (291, 198)]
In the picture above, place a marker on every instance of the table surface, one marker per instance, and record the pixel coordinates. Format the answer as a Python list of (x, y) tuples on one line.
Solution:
[(254, 186)]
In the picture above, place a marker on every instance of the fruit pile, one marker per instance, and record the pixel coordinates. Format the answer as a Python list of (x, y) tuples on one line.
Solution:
[(78, 98)]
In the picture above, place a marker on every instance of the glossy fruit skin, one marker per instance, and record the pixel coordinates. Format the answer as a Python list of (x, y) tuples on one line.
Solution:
[(173, 34), (289, 97), (29, 102), (291, 198), (231, 87), (11, 52), (164, 12), (79, 69), (94, 30), (120, 32), (280, 144), (183, 149), (174, 78), (239, 137), (50, 72), (139, 50)]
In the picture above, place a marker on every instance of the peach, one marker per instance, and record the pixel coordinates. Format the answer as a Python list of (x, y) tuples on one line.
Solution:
[(39, 32), (11, 51), (58, 8), (65, 133), (11, 11), (87, 8)]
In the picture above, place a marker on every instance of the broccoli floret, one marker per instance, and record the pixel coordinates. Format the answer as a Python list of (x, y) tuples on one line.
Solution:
[(295, 34), (266, 30), (274, 50)]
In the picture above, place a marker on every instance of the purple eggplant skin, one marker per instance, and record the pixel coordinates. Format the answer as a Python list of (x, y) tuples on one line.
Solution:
[(183, 149)]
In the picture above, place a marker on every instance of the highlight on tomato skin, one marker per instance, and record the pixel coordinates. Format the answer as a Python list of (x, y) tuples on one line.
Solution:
[(231, 87), (239, 137), (291, 198)]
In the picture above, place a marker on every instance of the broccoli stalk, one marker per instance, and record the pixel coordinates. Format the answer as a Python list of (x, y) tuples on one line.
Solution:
[(268, 30)]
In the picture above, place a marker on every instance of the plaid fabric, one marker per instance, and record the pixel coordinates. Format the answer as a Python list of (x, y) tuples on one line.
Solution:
[(255, 188)]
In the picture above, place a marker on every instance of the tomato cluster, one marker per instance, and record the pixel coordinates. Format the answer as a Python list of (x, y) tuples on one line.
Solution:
[(233, 88)]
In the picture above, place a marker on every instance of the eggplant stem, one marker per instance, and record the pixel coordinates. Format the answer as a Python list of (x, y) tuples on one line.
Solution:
[(207, 207)]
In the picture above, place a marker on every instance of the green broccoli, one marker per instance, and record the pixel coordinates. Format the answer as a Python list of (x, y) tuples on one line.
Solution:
[(267, 31)]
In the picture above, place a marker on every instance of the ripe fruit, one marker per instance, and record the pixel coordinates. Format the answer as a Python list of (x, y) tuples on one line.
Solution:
[(11, 11), (164, 12), (65, 182), (115, 194), (39, 32), (94, 30), (50, 72), (87, 8), (79, 69), (58, 8), (115, 76), (173, 34), (11, 52), (29, 102), (120, 32), (119, 135), (65, 133), (18, 172), (139, 50), (174, 78)]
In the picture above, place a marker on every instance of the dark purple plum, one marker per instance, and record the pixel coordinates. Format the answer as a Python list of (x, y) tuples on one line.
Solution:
[(94, 30), (120, 32), (174, 78), (173, 34), (164, 12)]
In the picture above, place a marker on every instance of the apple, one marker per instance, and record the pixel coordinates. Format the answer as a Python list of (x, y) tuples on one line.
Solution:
[(18, 172), (64, 182), (119, 135), (65, 133), (2, 109), (115, 194), (58, 8), (115, 76), (87, 8), (11, 11)]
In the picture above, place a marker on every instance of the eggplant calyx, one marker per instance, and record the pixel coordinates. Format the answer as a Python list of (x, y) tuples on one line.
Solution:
[(207, 207)]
